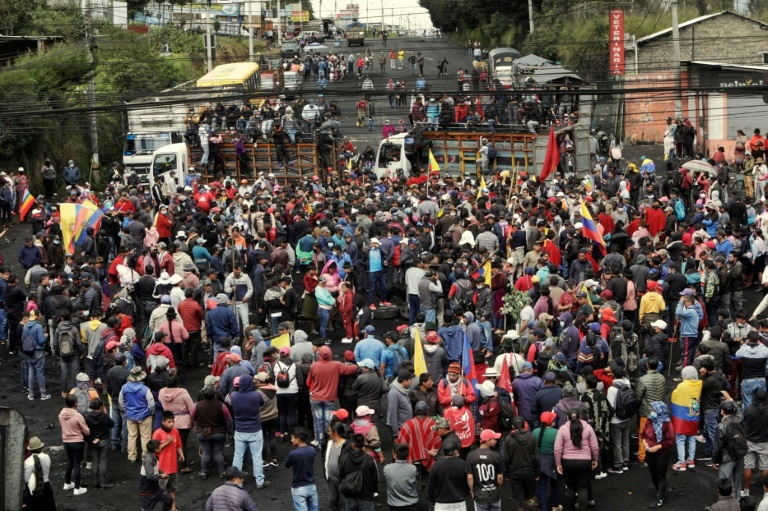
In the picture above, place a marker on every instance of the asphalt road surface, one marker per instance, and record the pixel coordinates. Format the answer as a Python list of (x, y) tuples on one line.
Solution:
[(348, 92), (630, 491)]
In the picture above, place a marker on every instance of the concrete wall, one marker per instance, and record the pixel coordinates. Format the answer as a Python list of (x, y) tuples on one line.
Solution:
[(726, 38), (646, 113)]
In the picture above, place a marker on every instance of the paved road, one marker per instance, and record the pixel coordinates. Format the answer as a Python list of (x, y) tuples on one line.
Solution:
[(348, 91)]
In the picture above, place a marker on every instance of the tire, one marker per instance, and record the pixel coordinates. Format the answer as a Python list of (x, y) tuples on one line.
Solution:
[(404, 311), (386, 312)]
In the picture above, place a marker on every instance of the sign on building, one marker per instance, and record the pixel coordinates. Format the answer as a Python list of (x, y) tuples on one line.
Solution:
[(616, 42)]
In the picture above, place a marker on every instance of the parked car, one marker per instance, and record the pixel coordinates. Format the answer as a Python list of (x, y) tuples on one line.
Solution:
[(290, 48)]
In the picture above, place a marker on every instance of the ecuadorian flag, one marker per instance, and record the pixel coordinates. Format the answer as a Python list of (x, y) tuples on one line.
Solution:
[(686, 407)]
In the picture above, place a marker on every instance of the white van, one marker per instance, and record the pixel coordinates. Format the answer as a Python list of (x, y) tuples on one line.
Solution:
[(391, 157)]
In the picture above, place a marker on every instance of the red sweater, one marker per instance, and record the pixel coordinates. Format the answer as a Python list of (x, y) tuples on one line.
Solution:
[(667, 439), (323, 379)]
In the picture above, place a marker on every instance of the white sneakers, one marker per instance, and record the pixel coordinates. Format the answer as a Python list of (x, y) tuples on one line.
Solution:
[(78, 491), (346, 341)]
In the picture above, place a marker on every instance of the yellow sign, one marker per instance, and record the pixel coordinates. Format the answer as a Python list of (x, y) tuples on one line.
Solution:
[(300, 16)]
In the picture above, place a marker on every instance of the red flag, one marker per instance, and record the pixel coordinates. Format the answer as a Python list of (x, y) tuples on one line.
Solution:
[(504, 381), (552, 158)]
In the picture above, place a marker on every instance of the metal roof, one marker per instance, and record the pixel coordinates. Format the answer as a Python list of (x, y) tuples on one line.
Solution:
[(693, 22)]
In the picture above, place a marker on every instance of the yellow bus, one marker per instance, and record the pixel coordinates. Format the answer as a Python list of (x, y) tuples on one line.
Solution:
[(242, 74)]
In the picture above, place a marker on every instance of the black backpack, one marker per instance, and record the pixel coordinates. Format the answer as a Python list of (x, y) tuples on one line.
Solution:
[(506, 415), (67, 347), (283, 378), (625, 406), (735, 440), (352, 484), (491, 152)]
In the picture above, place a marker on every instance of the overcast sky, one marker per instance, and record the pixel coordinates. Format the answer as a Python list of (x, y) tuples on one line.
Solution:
[(370, 11)]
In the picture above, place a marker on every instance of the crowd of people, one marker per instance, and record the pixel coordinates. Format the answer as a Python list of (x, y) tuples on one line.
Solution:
[(542, 317)]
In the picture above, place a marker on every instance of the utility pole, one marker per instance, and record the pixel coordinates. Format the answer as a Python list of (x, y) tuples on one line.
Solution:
[(382, 16), (250, 31), (89, 46), (209, 37), (279, 19), (530, 16), (676, 59)]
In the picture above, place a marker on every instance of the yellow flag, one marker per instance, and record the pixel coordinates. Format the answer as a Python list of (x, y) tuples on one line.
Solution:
[(281, 340), (419, 364), (433, 166), (482, 185), (487, 272), (349, 163)]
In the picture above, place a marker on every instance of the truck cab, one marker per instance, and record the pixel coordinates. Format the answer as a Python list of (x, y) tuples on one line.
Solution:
[(392, 158), (139, 147), (172, 157)]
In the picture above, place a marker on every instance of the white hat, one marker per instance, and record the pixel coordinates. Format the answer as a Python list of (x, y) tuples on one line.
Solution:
[(589, 283), (491, 373), (578, 225), (512, 334), (175, 279), (659, 324), (375, 240), (21, 169), (271, 175), (487, 388), (164, 278), (354, 211), (362, 411), (181, 234)]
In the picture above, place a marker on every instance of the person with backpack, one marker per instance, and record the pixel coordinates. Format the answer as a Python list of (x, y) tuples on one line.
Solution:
[(33, 348), (68, 350), (288, 386), (90, 332), (686, 414), (38, 493), (598, 416), (730, 445), (358, 476), (522, 461), (623, 404), (139, 405), (650, 387), (392, 357)]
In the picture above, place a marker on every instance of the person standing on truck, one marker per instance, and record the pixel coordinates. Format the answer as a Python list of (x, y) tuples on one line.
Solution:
[(400, 58), (420, 62), (412, 62), (392, 59), (382, 63), (384, 39)]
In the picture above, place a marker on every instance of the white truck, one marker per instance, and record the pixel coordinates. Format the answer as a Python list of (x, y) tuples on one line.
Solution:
[(172, 157), (152, 127)]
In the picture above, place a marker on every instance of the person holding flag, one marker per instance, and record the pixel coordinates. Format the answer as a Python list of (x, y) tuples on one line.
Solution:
[(456, 384)]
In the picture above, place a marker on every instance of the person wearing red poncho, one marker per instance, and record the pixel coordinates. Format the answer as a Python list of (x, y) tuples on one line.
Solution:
[(655, 219), (420, 437)]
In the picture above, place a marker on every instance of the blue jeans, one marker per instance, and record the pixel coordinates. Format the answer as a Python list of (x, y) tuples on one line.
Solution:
[(3, 325), (748, 389), (254, 442), (681, 441), (710, 424), (322, 411), (324, 314), (414, 304), (275, 322), (377, 281), (486, 326), (305, 498), (120, 429), (429, 315), (36, 365)]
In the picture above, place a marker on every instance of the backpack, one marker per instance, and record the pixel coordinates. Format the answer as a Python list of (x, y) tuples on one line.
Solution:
[(462, 297), (614, 333), (735, 440), (397, 354), (491, 152), (66, 344), (626, 402), (27, 344), (283, 378), (506, 415), (83, 400), (396, 255), (352, 484), (680, 210)]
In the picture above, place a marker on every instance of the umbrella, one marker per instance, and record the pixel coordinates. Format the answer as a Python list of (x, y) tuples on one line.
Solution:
[(700, 166)]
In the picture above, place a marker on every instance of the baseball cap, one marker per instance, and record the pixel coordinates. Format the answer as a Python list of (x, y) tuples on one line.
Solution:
[(548, 417), (362, 411), (421, 407), (659, 324), (233, 472), (404, 375), (211, 380), (686, 292), (441, 422), (369, 329), (285, 350), (366, 363), (489, 434), (341, 414)]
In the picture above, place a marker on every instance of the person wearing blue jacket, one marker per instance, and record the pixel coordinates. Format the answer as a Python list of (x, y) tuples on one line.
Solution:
[(71, 173), (29, 254), (139, 405), (452, 335), (221, 322), (571, 341), (33, 332), (689, 327), (246, 405)]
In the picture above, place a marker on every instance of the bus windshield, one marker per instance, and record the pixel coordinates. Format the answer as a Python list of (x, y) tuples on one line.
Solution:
[(145, 144)]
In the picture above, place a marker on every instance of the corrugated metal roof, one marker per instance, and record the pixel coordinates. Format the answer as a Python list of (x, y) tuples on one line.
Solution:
[(693, 22)]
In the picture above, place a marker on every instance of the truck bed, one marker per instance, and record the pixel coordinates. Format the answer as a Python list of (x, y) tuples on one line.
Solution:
[(303, 161)]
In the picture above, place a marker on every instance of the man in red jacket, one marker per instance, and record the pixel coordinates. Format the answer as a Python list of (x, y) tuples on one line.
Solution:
[(323, 383), (454, 384), (192, 316)]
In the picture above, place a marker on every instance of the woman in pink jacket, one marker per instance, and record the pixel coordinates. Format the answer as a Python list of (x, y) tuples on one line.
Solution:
[(177, 400), (73, 433), (576, 455)]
